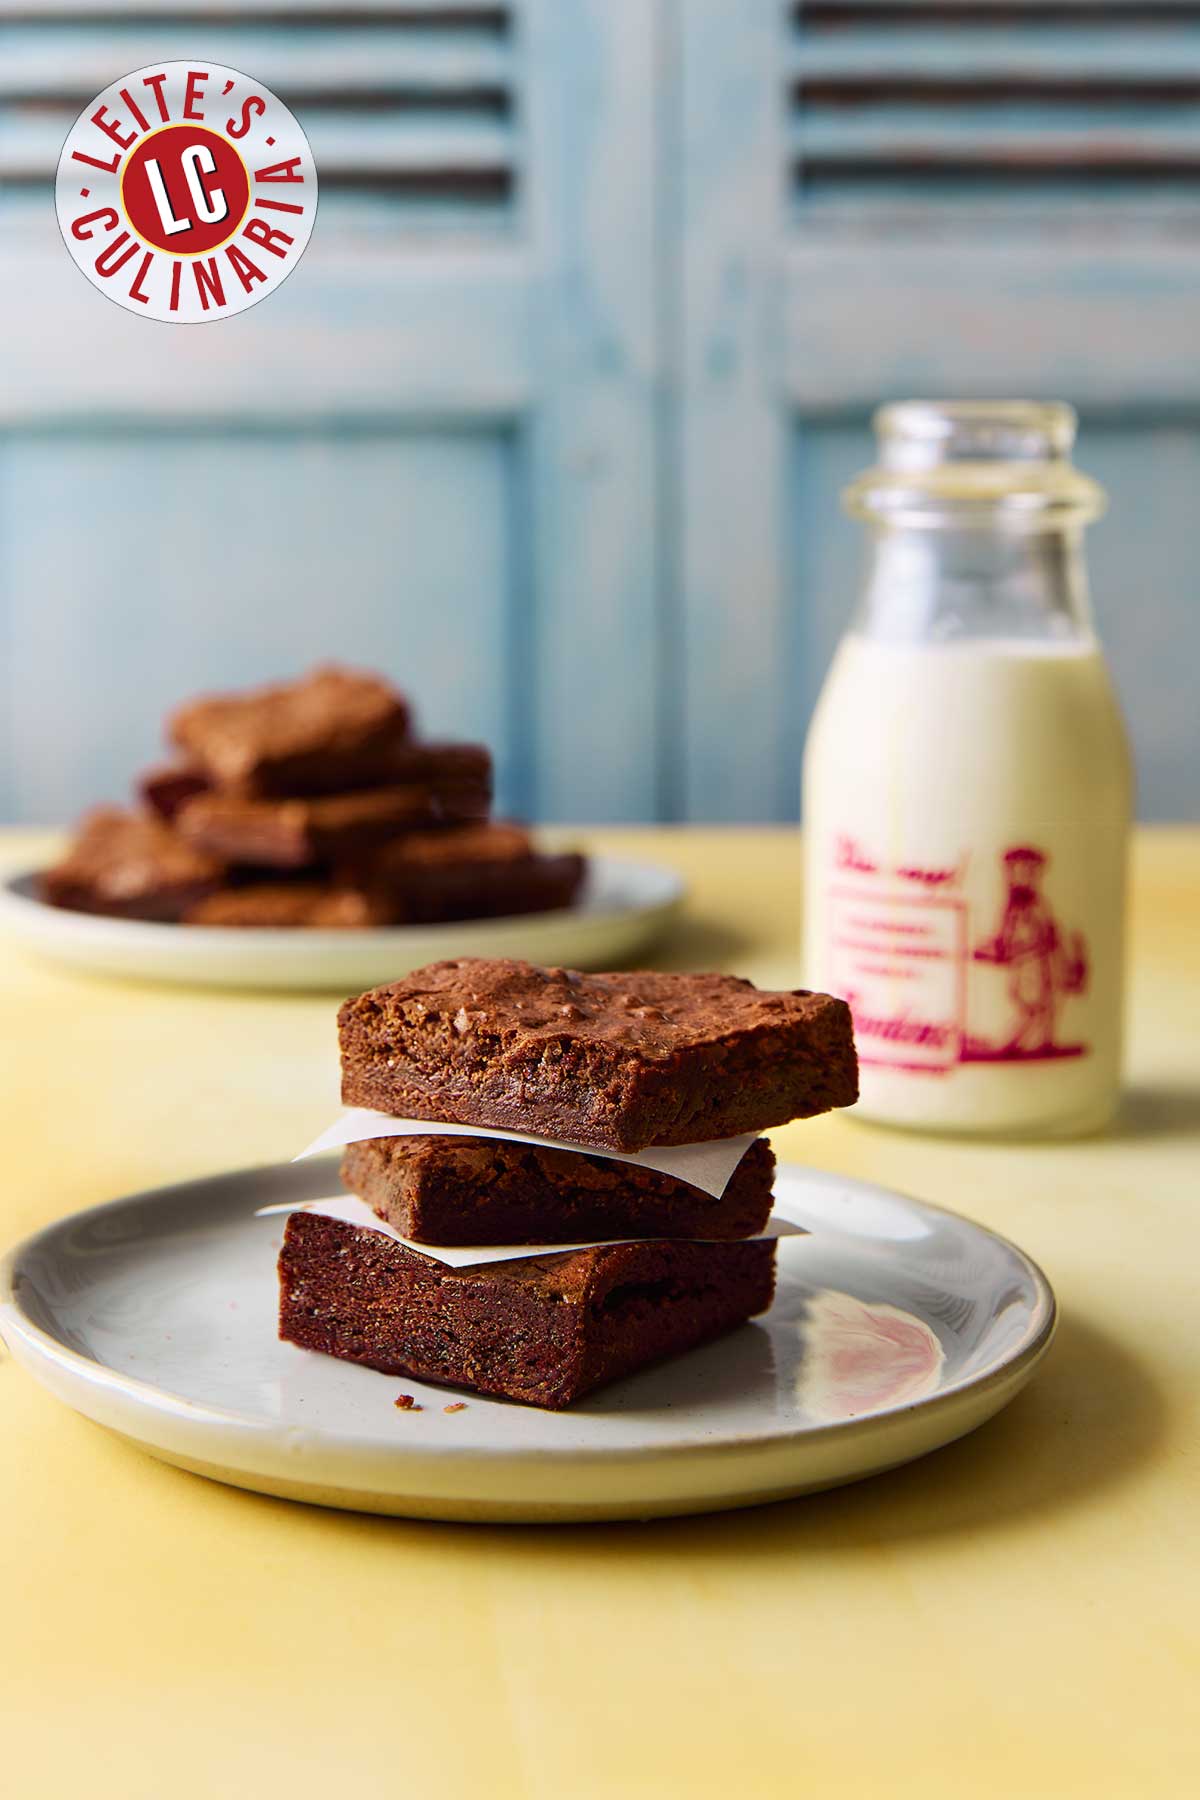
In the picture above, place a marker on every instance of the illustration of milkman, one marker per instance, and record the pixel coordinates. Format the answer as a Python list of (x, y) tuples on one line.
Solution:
[(1042, 966)]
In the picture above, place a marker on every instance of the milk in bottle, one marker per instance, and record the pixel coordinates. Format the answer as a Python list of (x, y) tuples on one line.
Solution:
[(967, 786)]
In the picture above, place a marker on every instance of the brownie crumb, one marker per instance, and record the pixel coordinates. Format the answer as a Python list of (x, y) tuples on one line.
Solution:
[(406, 1403), (458, 1406)]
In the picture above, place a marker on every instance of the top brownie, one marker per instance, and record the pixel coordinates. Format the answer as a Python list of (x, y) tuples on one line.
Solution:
[(332, 729), (620, 1061)]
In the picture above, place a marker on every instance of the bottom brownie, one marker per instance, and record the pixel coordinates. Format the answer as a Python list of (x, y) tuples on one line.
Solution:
[(467, 1190), (544, 1330)]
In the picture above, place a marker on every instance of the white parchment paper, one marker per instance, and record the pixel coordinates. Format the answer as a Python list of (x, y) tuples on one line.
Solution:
[(704, 1166), (357, 1212)]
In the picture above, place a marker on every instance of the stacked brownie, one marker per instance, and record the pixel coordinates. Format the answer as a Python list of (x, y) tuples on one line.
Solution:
[(612, 1063), (309, 804)]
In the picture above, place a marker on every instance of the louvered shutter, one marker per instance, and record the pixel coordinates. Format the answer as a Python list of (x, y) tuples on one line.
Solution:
[(934, 197), (431, 449)]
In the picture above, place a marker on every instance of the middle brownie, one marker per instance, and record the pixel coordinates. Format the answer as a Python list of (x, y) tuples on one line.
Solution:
[(461, 1191)]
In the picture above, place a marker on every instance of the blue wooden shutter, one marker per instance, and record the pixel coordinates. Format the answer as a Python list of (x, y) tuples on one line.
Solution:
[(431, 449), (552, 418), (942, 197)]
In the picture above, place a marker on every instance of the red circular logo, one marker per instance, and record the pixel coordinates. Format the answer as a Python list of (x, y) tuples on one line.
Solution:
[(185, 190)]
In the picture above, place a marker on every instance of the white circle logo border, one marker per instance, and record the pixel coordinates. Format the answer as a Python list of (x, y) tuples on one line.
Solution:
[(236, 134)]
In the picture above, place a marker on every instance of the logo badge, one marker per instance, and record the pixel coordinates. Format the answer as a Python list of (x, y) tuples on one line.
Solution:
[(186, 192)]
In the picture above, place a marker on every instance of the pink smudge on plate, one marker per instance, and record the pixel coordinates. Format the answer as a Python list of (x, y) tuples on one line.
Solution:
[(861, 1357)]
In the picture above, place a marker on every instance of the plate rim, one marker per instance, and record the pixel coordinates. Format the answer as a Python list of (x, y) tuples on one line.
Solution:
[(17, 907), (1013, 1368)]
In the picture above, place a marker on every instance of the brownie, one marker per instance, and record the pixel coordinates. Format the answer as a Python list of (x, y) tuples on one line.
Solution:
[(296, 834), (453, 1190), (166, 789), (539, 884), (541, 1329), (330, 730), (621, 1060), (409, 762), (478, 871), (129, 866), (276, 905), (485, 842)]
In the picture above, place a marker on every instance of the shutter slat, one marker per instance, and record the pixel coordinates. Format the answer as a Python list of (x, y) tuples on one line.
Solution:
[(965, 11), (450, 13), (342, 143), (987, 53), (333, 61), (928, 136)]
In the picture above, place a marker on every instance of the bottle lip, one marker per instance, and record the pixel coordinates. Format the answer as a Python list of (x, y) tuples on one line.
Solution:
[(919, 434), (976, 462)]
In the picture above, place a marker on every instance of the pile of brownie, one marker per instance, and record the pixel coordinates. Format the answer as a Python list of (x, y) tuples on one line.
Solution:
[(312, 804), (616, 1062)]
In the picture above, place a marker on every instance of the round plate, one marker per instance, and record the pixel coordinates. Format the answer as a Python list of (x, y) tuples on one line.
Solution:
[(896, 1327), (624, 906)]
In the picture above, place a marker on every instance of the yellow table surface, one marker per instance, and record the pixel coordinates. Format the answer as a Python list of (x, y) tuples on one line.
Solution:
[(1018, 1615)]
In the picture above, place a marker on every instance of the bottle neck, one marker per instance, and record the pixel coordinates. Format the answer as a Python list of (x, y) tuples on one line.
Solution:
[(973, 583)]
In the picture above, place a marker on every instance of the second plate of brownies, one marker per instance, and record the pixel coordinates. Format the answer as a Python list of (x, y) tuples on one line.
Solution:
[(303, 835), (623, 907)]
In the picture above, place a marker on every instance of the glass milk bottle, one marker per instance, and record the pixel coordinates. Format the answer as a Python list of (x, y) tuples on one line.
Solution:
[(967, 785)]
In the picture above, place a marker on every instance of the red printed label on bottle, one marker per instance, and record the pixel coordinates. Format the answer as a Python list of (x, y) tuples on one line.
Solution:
[(899, 961), (927, 990)]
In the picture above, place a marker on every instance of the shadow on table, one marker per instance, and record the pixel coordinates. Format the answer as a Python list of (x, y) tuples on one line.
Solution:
[(1157, 1110)]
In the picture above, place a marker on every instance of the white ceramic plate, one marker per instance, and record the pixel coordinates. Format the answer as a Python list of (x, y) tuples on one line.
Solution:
[(896, 1328), (624, 906)]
